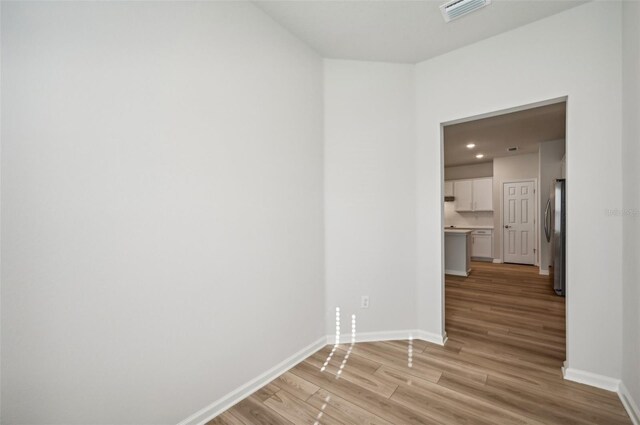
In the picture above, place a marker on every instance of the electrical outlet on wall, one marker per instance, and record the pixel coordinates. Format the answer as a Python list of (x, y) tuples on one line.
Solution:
[(364, 301)]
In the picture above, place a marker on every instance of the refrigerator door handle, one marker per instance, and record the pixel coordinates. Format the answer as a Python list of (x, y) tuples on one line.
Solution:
[(547, 221)]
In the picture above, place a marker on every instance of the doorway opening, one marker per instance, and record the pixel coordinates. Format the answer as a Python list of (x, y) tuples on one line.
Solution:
[(504, 231)]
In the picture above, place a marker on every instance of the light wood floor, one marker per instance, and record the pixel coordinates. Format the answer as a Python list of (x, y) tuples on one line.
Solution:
[(501, 365)]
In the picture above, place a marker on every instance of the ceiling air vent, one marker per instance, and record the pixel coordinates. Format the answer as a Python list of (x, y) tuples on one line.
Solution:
[(456, 8), (512, 149)]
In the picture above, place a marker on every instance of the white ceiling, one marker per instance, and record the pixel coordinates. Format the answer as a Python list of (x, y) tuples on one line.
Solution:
[(492, 136), (399, 30)]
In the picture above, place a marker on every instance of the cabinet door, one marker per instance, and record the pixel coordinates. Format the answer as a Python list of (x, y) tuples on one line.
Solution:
[(481, 246), (483, 194), (448, 188), (463, 192)]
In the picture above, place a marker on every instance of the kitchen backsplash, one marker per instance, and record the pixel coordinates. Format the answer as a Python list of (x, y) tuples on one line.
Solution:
[(453, 218)]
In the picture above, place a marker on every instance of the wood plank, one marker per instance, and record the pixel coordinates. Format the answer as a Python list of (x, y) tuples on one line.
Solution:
[(529, 405), (407, 378), (351, 372), (450, 407), (397, 358), (252, 411), (267, 391), (296, 386), (226, 418), (417, 344), (344, 410), (579, 404), (355, 361), (297, 411), (377, 405)]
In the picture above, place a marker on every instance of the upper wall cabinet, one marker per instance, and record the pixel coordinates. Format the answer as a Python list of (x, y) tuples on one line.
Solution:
[(483, 194), (473, 195), (448, 188), (463, 191)]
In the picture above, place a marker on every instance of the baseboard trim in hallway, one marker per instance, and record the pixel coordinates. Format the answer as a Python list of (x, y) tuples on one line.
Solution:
[(214, 409), (609, 384), (391, 336)]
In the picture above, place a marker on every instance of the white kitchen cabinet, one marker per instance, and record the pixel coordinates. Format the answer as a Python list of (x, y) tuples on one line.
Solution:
[(448, 188), (482, 244), (483, 194), (473, 195), (463, 191)]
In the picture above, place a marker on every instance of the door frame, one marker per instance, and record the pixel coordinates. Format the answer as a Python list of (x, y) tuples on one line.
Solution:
[(465, 118), (536, 229)]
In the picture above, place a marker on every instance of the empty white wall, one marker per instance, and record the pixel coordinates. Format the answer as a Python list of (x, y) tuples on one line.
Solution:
[(508, 168), (631, 200), (574, 53), (162, 236), (484, 169), (550, 156), (370, 193)]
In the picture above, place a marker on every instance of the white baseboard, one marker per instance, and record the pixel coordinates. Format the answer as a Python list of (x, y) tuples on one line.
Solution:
[(390, 336), (593, 379), (629, 404), (214, 409), (606, 383), (456, 273), (435, 338), (483, 259), (497, 260), (544, 272)]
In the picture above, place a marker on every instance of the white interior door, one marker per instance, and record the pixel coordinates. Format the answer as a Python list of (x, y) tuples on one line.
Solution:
[(518, 222)]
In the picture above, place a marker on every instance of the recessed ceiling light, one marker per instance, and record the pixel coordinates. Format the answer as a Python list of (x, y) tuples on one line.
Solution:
[(471, 145), (480, 156)]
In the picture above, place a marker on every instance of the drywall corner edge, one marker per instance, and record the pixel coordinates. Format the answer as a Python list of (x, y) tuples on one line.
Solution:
[(217, 407)]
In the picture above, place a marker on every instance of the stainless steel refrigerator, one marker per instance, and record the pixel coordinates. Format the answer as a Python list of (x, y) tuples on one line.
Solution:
[(555, 226)]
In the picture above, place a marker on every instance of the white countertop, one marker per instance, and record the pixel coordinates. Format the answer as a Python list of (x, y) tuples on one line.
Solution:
[(457, 231)]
